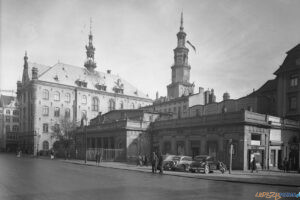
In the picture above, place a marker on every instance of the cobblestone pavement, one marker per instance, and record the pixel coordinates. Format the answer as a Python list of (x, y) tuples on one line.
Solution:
[(266, 177)]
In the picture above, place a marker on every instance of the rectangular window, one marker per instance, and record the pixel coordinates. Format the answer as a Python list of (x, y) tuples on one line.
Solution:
[(45, 94), (83, 99), (68, 98), (45, 111), (294, 81), (15, 112), (255, 139), (7, 118), (15, 119), (56, 112), (293, 103), (45, 128)]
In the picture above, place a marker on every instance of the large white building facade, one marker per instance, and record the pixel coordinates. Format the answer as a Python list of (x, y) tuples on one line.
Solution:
[(48, 94)]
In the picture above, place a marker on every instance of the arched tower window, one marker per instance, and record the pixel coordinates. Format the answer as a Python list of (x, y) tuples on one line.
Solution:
[(95, 104)]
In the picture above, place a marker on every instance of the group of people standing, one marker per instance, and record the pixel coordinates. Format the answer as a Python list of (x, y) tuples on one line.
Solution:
[(157, 163)]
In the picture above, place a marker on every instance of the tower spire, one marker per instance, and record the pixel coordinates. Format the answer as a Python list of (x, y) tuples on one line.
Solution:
[(90, 26), (181, 21), (90, 52), (25, 77)]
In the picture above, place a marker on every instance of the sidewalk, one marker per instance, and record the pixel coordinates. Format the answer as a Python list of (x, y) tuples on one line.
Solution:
[(277, 178)]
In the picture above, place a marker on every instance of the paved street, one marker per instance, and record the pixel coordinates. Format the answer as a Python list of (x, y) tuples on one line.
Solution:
[(30, 179)]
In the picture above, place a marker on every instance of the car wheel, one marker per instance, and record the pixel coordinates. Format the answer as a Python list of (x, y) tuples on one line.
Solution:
[(206, 169), (184, 168)]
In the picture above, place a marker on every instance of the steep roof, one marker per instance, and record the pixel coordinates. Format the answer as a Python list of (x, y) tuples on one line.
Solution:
[(6, 100), (66, 74), (270, 85), (289, 61)]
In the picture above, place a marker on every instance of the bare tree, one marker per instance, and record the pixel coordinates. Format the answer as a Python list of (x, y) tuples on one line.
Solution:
[(64, 133)]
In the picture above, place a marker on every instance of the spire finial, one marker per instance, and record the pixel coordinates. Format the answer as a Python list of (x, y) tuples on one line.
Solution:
[(181, 21), (25, 57), (90, 25)]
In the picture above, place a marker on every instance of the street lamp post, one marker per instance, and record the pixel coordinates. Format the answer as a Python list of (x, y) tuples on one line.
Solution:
[(85, 145), (230, 158), (84, 123)]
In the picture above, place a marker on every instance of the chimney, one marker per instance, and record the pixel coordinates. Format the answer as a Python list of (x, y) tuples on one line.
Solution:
[(34, 73), (226, 96), (201, 90), (156, 95), (206, 97)]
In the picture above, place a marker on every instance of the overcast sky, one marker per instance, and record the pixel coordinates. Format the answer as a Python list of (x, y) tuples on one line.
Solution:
[(239, 43)]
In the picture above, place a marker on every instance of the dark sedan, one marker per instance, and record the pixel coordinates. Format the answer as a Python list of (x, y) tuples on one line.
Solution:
[(206, 164)]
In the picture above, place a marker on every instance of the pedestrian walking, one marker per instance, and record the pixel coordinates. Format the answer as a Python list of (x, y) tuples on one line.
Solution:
[(254, 165), (100, 156), (160, 163), (139, 160), (97, 158), (285, 165), (51, 154), (154, 162)]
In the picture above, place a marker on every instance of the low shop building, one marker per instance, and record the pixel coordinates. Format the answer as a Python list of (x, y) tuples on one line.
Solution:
[(121, 135), (252, 135)]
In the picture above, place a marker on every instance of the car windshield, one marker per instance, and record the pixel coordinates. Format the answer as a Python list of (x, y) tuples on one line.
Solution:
[(176, 158)]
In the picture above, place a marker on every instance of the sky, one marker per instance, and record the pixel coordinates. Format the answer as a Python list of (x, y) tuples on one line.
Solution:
[(239, 44)]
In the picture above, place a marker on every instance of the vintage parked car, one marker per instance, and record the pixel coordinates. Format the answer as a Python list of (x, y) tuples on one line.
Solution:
[(206, 164), (179, 163), (168, 161)]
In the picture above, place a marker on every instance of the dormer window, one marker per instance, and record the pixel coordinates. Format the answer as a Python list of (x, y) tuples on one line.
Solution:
[(118, 90), (100, 87), (81, 83), (119, 87)]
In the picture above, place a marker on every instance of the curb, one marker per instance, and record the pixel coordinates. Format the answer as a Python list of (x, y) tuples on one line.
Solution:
[(182, 175)]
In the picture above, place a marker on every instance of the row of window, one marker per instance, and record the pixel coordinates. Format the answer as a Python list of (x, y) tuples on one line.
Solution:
[(15, 128), (56, 111), (15, 112), (46, 127), (56, 96), (15, 119)]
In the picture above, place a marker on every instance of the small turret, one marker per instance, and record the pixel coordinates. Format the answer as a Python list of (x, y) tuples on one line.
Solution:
[(25, 77)]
